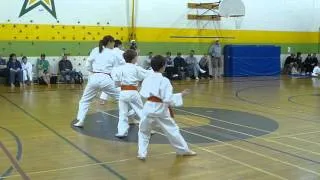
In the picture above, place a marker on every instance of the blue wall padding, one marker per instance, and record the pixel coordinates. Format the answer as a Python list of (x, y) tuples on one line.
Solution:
[(251, 60)]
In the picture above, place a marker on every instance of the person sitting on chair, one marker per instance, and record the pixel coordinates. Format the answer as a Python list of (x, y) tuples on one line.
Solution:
[(298, 62), (204, 64), (27, 70), (314, 60), (193, 66), (43, 69), (180, 65), (170, 70), (65, 68), (15, 70), (3, 67), (288, 64)]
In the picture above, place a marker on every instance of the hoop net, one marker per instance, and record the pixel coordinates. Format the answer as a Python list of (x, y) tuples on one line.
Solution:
[(238, 21), (234, 9)]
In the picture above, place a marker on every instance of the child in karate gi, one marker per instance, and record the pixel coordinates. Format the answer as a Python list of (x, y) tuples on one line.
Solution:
[(159, 94), (128, 77)]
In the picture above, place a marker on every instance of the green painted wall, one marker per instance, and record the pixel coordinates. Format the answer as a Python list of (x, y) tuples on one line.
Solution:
[(83, 48)]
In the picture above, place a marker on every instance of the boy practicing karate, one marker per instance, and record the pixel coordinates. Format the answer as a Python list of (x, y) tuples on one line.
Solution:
[(128, 77), (159, 94)]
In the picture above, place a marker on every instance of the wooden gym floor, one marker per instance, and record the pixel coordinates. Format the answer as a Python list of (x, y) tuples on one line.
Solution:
[(241, 128)]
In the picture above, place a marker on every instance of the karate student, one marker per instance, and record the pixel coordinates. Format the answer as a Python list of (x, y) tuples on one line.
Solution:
[(119, 53), (316, 71), (100, 62), (158, 92), (128, 77)]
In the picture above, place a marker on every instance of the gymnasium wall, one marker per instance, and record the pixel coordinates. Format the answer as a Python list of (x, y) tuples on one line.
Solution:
[(76, 26)]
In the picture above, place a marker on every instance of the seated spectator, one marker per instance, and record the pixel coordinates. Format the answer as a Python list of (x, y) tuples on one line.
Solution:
[(15, 71), (43, 69), (27, 70), (307, 65), (316, 71), (288, 64), (170, 70), (314, 60), (295, 69), (66, 69), (298, 62), (147, 62), (180, 65), (193, 67), (204, 64), (3, 67)]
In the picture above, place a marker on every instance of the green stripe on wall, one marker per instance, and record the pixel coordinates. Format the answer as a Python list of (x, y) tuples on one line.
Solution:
[(83, 48)]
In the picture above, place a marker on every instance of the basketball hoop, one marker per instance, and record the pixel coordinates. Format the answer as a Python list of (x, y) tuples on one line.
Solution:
[(234, 9)]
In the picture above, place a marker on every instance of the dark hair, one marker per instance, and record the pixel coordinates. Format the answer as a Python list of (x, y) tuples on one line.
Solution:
[(192, 51), (105, 41), (129, 55), (157, 62), (150, 52), (11, 56), (42, 55), (168, 53), (24, 57), (117, 43)]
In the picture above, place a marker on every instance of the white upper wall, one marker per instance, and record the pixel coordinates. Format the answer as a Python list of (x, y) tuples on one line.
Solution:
[(278, 15), (283, 15), (88, 12)]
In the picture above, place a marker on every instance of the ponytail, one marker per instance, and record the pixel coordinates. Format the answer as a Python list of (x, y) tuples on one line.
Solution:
[(104, 42), (100, 46)]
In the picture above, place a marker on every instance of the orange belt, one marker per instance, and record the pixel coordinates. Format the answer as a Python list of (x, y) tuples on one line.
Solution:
[(128, 87), (158, 100)]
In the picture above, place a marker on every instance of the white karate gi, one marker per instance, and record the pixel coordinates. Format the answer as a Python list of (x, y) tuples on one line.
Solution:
[(120, 62), (154, 112), (27, 71), (101, 65), (316, 71), (128, 75)]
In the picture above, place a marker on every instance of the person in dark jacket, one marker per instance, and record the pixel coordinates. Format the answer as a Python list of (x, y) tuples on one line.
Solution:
[(288, 64), (65, 68), (15, 71), (314, 60), (180, 65), (170, 70), (298, 62), (307, 64)]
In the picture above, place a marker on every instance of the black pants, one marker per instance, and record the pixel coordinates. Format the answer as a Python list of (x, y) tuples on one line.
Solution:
[(170, 71), (309, 68), (206, 74), (15, 77)]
